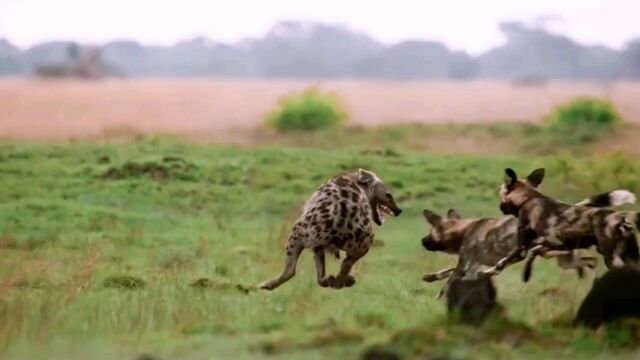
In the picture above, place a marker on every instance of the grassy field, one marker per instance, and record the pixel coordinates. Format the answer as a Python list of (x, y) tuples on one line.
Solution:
[(156, 247)]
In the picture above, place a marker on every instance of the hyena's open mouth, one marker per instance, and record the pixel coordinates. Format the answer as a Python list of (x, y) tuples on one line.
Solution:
[(382, 211)]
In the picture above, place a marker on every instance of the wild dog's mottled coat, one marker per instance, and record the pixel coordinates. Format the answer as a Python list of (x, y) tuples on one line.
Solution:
[(545, 224), (481, 243), (338, 216)]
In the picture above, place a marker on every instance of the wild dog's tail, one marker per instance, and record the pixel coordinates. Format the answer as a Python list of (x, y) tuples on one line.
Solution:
[(610, 199)]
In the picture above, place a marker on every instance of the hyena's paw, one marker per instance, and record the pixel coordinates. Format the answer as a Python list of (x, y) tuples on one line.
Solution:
[(324, 282), (348, 281), (267, 285), (330, 281), (430, 277)]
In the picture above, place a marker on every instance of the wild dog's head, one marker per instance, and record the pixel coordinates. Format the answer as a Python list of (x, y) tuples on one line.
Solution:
[(446, 234), (514, 193), (380, 199)]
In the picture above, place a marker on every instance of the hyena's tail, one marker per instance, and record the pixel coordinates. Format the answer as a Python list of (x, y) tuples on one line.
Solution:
[(610, 199)]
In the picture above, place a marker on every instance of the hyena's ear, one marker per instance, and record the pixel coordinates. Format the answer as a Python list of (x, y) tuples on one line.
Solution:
[(452, 214), (536, 177), (433, 218), (510, 178), (366, 177)]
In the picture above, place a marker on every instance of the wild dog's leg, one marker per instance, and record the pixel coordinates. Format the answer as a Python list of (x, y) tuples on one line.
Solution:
[(608, 241), (445, 288), (343, 279), (439, 275), (318, 257), (570, 260), (457, 273), (293, 252), (533, 253)]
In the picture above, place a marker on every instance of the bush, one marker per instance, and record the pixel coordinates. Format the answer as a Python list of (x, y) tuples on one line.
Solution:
[(589, 113), (307, 111)]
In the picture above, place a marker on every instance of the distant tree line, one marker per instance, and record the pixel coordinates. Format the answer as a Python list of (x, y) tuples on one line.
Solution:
[(315, 50)]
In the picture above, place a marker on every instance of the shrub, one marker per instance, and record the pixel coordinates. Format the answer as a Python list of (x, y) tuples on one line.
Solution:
[(307, 111), (590, 113)]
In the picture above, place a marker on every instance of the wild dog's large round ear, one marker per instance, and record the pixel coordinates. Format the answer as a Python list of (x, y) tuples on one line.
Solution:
[(452, 214), (432, 218), (365, 177), (536, 177), (510, 178)]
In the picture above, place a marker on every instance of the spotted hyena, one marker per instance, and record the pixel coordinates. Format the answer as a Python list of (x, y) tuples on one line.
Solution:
[(338, 216)]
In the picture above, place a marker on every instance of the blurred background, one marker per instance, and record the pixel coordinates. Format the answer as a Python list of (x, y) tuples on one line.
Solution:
[(211, 67)]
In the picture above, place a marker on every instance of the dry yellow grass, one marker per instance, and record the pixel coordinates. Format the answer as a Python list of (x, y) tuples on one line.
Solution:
[(33, 109)]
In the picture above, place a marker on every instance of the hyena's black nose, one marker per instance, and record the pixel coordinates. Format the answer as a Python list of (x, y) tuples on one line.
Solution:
[(397, 212)]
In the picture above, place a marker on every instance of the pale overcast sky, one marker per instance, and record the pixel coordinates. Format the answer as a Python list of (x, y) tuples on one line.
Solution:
[(462, 24)]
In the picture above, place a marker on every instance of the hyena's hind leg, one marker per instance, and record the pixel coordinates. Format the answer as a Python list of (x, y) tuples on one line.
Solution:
[(293, 253), (318, 257)]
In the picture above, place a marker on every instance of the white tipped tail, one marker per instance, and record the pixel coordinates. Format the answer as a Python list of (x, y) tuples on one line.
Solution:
[(621, 197), (608, 199)]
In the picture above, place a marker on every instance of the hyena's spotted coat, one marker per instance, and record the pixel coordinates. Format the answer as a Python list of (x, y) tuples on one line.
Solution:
[(337, 217)]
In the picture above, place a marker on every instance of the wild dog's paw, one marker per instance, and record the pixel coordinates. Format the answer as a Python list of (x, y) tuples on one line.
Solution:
[(590, 262), (430, 277), (491, 271)]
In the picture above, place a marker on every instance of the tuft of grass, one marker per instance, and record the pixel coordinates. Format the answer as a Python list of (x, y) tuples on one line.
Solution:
[(588, 112), (308, 111), (583, 120), (123, 282)]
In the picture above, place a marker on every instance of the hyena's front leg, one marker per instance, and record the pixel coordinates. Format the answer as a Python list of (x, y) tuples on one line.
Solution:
[(343, 279), (293, 252), (439, 275)]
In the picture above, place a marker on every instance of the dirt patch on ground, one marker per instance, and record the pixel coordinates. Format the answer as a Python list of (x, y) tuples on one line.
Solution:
[(223, 110)]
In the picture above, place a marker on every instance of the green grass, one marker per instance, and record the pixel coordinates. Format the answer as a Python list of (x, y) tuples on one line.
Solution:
[(110, 251)]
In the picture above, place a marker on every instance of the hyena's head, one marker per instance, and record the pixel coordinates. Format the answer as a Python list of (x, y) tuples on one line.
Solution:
[(514, 193), (446, 233), (379, 196)]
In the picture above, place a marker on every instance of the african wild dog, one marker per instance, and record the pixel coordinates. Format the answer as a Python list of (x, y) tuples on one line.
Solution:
[(479, 243), (546, 225), (338, 216)]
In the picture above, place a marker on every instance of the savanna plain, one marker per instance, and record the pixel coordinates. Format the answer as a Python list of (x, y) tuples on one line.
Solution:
[(116, 243)]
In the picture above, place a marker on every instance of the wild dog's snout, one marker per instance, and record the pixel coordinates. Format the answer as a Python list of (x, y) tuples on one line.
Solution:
[(507, 209), (431, 245)]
